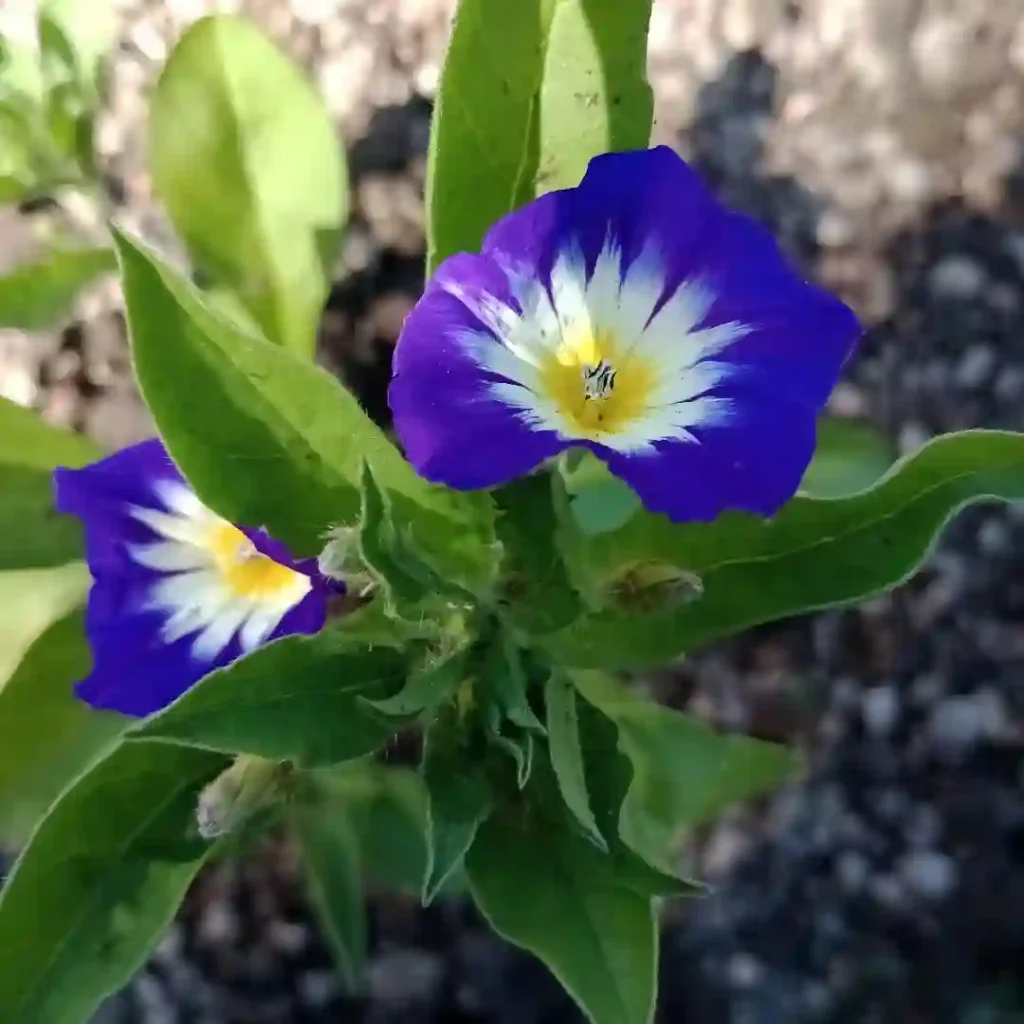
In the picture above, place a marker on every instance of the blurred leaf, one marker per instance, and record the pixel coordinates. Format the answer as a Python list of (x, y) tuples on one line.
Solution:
[(100, 881), (31, 533), (549, 890), (814, 553), (330, 856), (245, 157), (31, 600), (459, 799), (39, 295), (81, 35), (684, 773), (297, 699), (850, 457), (47, 735), (300, 436), (530, 91)]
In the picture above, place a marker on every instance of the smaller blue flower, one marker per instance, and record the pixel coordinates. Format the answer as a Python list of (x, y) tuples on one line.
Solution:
[(177, 590), (633, 316)]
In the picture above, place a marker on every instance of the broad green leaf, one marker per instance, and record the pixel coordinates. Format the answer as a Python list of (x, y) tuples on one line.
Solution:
[(330, 855), (551, 891), (296, 699), (530, 91), (594, 97), (566, 753), (850, 457), (100, 880), (39, 295), (684, 772), (47, 736), (31, 532), (540, 593), (815, 553), (246, 159), (459, 799), (31, 600), (300, 438)]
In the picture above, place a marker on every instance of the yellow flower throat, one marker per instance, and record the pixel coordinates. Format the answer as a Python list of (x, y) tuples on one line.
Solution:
[(597, 386), (246, 571)]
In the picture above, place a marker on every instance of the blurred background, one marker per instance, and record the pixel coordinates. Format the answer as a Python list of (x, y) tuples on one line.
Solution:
[(883, 142)]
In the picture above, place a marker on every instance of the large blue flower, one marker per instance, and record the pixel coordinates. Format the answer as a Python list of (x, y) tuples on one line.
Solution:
[(633, 316), (177, 590)]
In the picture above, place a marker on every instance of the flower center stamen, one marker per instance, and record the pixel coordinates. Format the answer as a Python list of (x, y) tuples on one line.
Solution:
[(598, 381)]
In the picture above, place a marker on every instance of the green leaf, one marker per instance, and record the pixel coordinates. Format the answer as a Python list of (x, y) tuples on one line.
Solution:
[(100, 881), (506, 676), (296, 699), (815, 553), (529, 93), (300, 437), (540, 596), (427, 687), (567, 754), (330, 856), (38, 295), (459, 799), (89, 34), (31, 532), (551, 891), (47, 736), (594, 97), (31, 600), (684, 773), (245, 157), (850, 456)]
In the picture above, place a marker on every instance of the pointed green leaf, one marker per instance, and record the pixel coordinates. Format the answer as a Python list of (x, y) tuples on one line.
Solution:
[(31, 532), (684, 772), (100, 881), (300, 436), (330, 855), (296, 699), (246, 159), (507, 677), (38, 295), (530, 91), (815, 553), (567, 754), (47, 736), (459, 798), (549, 890)]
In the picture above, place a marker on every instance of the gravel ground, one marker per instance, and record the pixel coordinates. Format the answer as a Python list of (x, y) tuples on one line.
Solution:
[(881, 139)]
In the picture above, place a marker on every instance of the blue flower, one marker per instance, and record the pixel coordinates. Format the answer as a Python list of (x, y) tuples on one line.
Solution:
[(632, 316), (177, 590)]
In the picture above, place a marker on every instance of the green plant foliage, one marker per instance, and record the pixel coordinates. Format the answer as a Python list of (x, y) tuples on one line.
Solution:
[(100, 881), (815, 553), (530, 91), (39, 295), (850, 457), (47, 736), (301, 438), (329, 848), (31, 533), (297, 699), (459, 798), (247, 162), (683, 772), (546, 888)]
